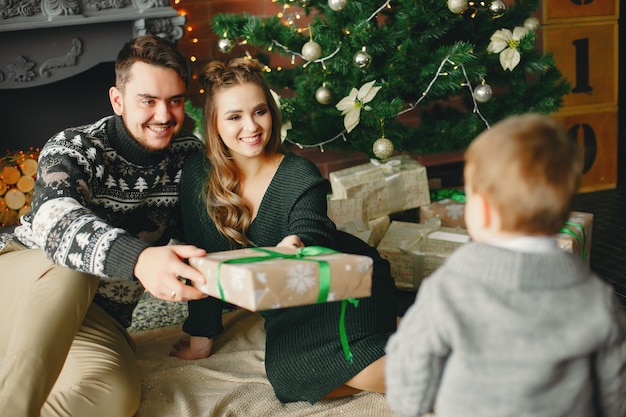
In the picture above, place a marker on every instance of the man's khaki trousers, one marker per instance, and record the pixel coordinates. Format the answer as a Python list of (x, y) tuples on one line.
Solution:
[(61, 354)]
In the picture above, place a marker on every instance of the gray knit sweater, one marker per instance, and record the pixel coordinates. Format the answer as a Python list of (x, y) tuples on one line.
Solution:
[(501, 333), (100, 199)]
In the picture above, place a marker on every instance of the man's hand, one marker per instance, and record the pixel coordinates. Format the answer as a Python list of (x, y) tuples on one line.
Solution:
[(160, 269)]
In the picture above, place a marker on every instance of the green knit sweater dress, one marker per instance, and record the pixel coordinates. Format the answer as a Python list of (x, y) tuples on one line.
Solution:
[(304, 359)]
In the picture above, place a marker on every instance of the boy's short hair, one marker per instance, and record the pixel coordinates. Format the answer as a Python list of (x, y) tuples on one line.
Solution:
[(152, 50), (528, 169)]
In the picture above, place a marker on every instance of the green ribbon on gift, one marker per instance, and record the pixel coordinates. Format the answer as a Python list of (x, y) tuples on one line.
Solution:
[(583, 252), (303, 254), (451, 193)]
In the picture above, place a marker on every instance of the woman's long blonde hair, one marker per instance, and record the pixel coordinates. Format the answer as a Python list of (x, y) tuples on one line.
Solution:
[(224, 203)]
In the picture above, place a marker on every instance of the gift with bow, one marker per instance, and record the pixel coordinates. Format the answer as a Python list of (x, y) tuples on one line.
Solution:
[(448, 204), (396, 184), (415, 250), (270, 278), (575, 235)]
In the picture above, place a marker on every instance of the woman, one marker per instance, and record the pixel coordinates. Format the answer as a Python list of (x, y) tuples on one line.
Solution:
[(246, 191)]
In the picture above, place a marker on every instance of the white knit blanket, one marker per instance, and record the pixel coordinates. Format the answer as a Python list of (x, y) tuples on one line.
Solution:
[(231, 382)]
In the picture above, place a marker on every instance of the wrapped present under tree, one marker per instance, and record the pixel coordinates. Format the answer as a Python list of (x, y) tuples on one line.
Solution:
[(399, 183), (415, 250)]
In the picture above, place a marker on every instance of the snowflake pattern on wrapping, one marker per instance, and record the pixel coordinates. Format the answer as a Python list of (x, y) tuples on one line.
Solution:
[(301, 278), (455, 211), (237, 277)]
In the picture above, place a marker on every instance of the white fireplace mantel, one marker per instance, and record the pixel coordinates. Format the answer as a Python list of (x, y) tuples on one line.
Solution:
[(43, 41)]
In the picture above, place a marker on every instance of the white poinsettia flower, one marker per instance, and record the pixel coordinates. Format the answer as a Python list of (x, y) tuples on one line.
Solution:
[(286, 123), (276, 97), (283, 130), (351, 105), (506, 43)]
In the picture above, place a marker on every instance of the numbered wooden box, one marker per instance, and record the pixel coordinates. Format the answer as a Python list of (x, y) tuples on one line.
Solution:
[(596, 133), (558, 10), (587, 55)]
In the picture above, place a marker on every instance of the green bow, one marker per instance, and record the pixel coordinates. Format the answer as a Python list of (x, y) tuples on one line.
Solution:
[(451, 193), (572, 233)]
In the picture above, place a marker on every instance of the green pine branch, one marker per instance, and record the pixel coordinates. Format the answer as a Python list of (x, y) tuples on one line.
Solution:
[(408, 43)]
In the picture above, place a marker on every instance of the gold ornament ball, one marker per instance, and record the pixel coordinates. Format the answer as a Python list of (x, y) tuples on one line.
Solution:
[(383, 148), (497, 8), (311, 51), (531, 23), (483, 93), (226, 45), (458, 6), (337, 5), (362, 59), (323, 95)]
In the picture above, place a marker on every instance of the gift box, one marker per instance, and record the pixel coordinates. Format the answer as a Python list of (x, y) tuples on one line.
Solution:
[(451, 213), (415, 250), (372, 234), (348, 212), (575, 236), (271, 278), (448, 205), (397, 184)]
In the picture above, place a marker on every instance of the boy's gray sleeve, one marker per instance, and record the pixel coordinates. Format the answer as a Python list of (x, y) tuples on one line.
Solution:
[(415, 357), (611, 365)]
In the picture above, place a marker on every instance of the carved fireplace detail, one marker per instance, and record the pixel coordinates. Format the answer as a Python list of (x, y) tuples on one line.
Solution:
[(42, 41)]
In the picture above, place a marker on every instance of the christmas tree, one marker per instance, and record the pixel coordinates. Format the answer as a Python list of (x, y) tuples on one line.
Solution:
[(421, 76)]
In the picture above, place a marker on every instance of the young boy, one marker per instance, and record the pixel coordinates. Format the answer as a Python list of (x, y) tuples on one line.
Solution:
[(511, 325)]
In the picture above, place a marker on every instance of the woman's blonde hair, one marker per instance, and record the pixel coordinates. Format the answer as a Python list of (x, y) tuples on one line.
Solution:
[(529, 169), (224, 203)]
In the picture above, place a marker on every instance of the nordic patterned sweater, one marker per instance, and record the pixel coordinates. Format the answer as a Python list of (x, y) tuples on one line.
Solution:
[(100, 199), (504, 333)]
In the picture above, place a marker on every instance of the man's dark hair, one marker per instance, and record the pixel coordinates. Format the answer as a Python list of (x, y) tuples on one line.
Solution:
[(152, 50)]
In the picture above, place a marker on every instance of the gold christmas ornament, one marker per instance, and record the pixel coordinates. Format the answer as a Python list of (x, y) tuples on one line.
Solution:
[(225, 45), (323, 95), (497, 8), (337, 5), (383, 148), (311, 50), (532, 24), (458, 6), (362, 59), (483, 93)]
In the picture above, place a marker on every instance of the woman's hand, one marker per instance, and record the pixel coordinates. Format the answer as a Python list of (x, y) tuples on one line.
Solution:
[(291, 241), (197, 348)]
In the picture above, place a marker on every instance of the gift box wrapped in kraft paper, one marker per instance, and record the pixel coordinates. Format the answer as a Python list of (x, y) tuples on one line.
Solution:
[(575, 235), (396, 184), (372, 234), (350, 216), (448, 205), (270, 278), (415, 250)]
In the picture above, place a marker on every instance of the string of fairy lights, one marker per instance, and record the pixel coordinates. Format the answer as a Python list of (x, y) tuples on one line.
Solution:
[(290, 14)]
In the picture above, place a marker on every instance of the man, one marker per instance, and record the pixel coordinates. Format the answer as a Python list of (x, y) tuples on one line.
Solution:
[(104, 208)]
